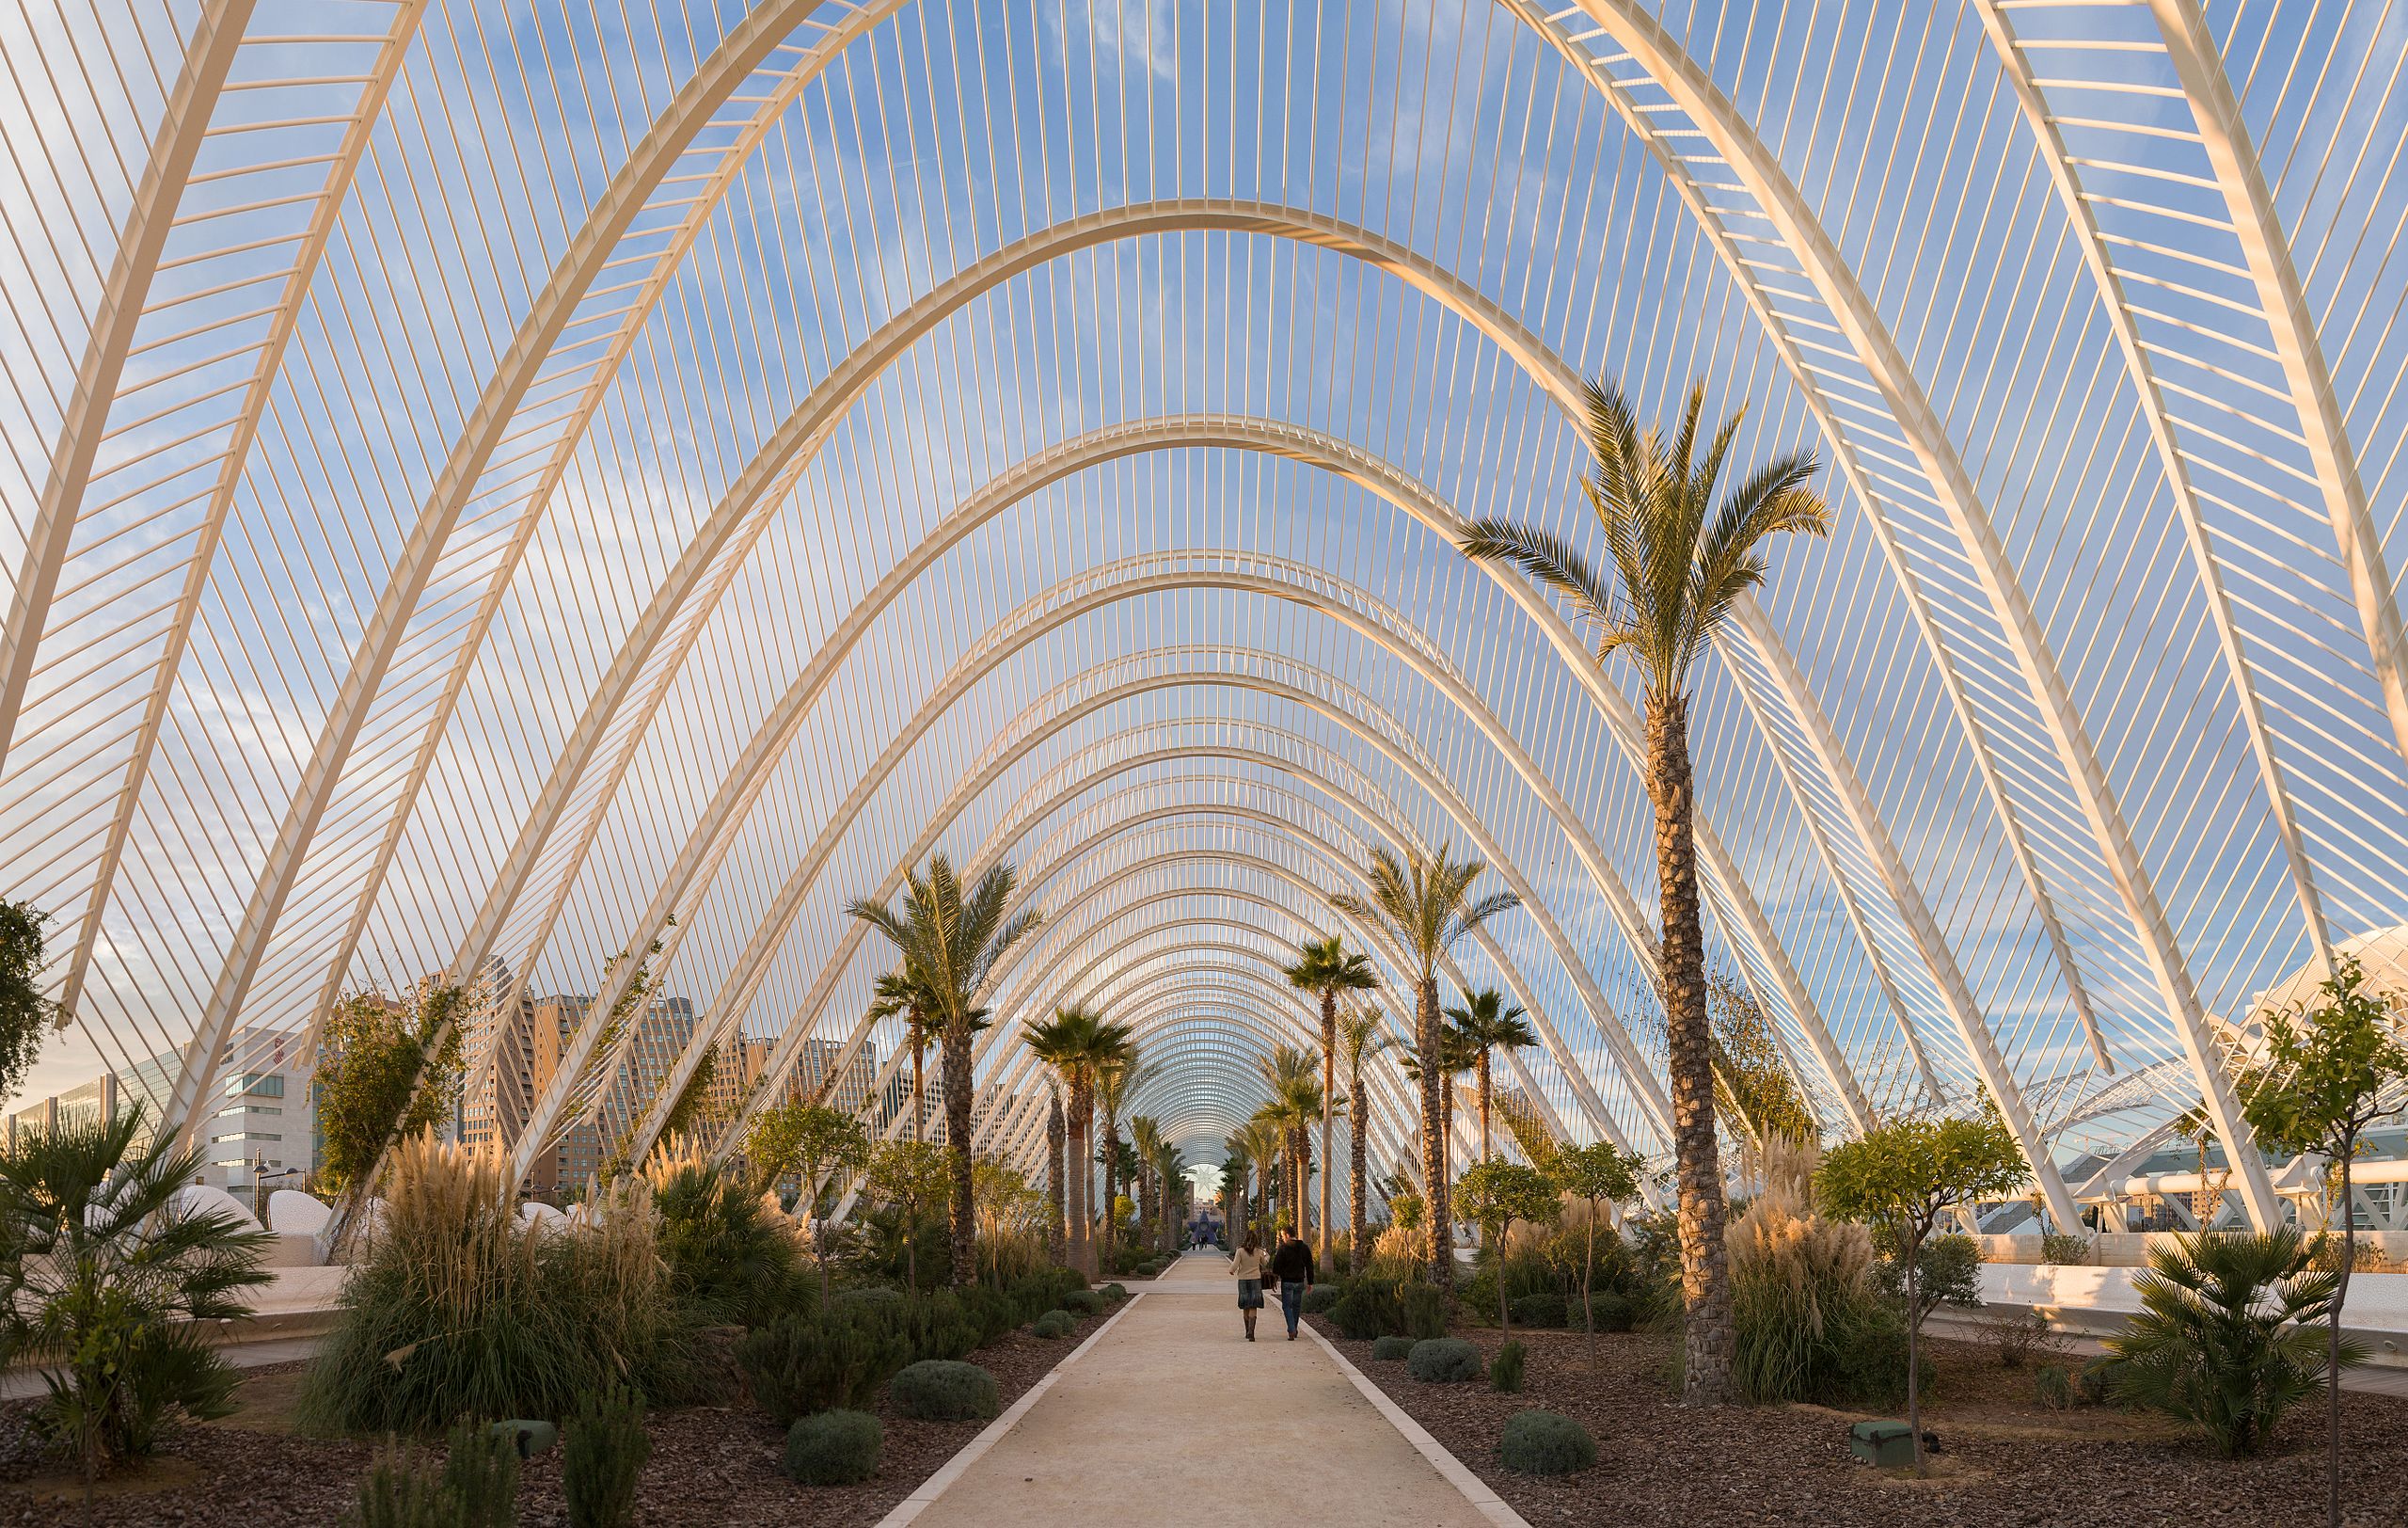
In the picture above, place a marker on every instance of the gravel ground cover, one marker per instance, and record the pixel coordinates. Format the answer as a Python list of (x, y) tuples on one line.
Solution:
[(2005, 1460), (709, 1465)]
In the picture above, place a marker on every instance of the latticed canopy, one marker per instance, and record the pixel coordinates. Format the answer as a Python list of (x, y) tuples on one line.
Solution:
[(495, 487)]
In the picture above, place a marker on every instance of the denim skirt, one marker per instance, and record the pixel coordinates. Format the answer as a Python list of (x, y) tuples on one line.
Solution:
[(1249, 1293)]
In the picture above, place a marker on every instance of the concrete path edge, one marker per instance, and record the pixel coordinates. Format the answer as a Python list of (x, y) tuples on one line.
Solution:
[(953, 1469), (1477, 1491)]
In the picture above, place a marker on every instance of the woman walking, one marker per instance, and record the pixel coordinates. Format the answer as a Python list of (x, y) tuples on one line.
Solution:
[(1245, 1267)]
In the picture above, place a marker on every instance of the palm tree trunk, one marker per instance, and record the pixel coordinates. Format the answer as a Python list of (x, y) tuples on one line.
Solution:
[(1054, 1202), (1484, 1152), (1706, 1273), (1433, 1135), (1355, 1186), (956, 1130), (919, 1092), (1329, 1095)]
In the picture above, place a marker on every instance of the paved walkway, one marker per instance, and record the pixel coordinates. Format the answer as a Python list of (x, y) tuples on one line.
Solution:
[(1171, 1406)]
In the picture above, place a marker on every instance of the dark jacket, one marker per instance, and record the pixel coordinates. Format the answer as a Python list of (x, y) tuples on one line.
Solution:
[(1294, 1263)]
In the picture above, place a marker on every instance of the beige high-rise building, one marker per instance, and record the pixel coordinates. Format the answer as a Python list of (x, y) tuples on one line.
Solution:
[(494, 1109), (618, 1103)]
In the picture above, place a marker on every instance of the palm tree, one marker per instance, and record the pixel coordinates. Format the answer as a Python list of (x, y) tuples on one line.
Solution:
[(1295, 1103), (896, 993), (1235, 1165), (1079, 1044), (1056, 1204), (1116, 1083), (1424, 904), (1169, 1162), (1684, 551), (949, 941), (1325, 968), (1455, 1057), (1262, 1139), (1144, 1133), (1360, 1036), (1489, 1023)]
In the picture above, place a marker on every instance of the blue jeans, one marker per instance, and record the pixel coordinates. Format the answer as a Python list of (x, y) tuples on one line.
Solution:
[(1291, 1302)]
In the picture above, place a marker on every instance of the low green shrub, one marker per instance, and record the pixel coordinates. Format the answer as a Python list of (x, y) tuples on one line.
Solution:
[(1505, 1369), (2066, 1247), (1319, 1299), (1539, 1443), (936, 1389), (1391, 1347), (1539, 1311), (1610, 1310), (833, 1448), (602, 1456), (1054, 1323), (2053, 1387), (725, 1253), (1368, 1308), (2097, 1379), (1424, 1311), (1082, 1301), (1442, 1360), (937, 1326), (475, 1487), (814, 1363), (867, 1295), (1115, 1293)]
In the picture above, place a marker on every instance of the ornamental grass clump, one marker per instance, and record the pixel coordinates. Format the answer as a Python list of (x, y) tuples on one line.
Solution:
[(1368, 1307), (934, 1389), (833, 1448), (1545, 1443), (602, 1457), (459, 1309), (1442, 1360), (1809, 1319)]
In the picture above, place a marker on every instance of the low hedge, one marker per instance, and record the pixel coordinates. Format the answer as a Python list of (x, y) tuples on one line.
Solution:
[(940, 1390), (1442, 1360), (1054, 1324), (833, 1448), (1082, 1301), (1320, 1297), (1387, 1349), (1542, 1310), (1367, 1309), (1545, 1443)]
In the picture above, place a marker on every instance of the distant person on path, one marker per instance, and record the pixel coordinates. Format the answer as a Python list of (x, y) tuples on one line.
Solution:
[(1245, 1267), (1291, 1263)]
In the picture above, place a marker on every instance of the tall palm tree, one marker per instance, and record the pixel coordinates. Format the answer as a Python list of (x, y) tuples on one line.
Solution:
[(1169, 1162), (1324, 967), (1683, 549), (1262, 1139), (1116, 1083), (1426, 906), (1489, 1023), (949, 940), (1455, 1057), (1079, 1044), (1057, 1205), (1235, 1166), (1361, 1034), (1294, 1103), (1144, 1133), (897, 994)]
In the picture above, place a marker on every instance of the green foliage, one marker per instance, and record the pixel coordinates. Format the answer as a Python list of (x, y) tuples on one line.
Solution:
[(2220, 1340), (692, 1107), (459, 1309), (1899, 1177), (1505, 1370), (1548, 1311), (1319, 1299), (1405, 1209), (2098, 1380), (913, 1180), (833, 1448), (1115, 1293), (2067, 1246), (1442, 1360), (1082, 1301), (809, 1140), (1948, 1271), (100, 1272), (1054, 1324), (1754, 1090), (377, 1080), (1496, 1193), (937, 1326), (807, 1363), (934, 1389), (602, 1456), (1424, 1311), (1613, 1312), (1368, 1308), (23, 1011), (1600, 1172), (477, 1486), (1545, 1443), (725, 1253), (2326, 1069), (2054, 1388)]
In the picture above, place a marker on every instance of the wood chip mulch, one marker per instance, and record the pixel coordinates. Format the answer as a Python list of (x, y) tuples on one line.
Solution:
[(709, 1465), (2004, 1460)]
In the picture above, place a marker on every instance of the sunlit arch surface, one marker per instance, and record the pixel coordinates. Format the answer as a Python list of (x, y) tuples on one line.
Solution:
[(695, 507)]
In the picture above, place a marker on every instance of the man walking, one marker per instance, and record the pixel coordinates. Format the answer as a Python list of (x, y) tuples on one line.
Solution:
[(1292, 1263)]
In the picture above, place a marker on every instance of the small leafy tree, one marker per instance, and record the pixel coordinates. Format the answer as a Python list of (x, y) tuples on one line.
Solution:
[(387, 1070), (2330, 1072), (1605, 1175), (693, 1106), (23, 1011), (102, 1276), (1494, 1195), (912, 1177), (1899, 1177), (813, 1142)]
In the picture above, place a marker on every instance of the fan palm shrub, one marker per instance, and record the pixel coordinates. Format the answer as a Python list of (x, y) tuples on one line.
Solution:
[(949, 940), (100, 1271), (1682, 550), (2225, 1338), (729, 1253), (1325, 967), (1426, 906), (1489, 1023)]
